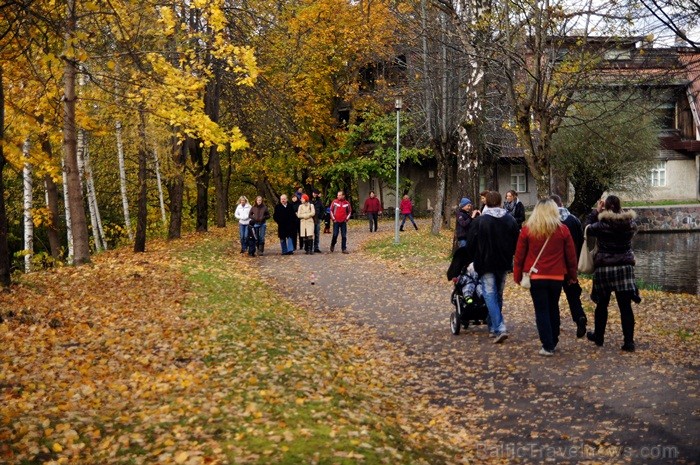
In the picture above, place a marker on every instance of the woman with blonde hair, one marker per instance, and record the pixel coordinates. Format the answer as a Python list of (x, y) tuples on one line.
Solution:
[(546, 251), (242, 214)]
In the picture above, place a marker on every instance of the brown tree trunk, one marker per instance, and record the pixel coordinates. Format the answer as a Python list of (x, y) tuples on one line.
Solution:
[(4, 248), (219, 190), (142, 215), (176, 189), (52, 229), (81, 241), (201, 177)]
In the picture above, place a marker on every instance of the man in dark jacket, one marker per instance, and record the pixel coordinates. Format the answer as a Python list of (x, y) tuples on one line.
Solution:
[(491, 246), (286, 220), (573, 291), (320, 214)]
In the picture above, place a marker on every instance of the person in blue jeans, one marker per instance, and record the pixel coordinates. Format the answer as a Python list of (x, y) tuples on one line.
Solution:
[(340, 214), (491, 246)]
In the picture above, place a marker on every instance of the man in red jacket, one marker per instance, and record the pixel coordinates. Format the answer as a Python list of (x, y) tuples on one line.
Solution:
[(340, 214), (372, 209)]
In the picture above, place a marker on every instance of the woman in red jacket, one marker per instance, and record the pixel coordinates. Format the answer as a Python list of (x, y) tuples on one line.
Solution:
[(545, 235), (406, 209)]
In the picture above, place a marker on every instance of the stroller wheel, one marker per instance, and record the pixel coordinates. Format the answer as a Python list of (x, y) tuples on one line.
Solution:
[(455, 324)]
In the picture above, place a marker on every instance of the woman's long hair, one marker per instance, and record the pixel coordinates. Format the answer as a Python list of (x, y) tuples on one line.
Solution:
[(544, 219)]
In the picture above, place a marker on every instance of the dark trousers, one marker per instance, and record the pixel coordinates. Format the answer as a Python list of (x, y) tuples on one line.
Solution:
[(573, 297), (372, 217), (624, 302), (317, 235), (545, 297), (343, 229)]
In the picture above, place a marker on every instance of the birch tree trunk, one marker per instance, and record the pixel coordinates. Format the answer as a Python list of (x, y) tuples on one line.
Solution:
[(69, 227), (85, 187), (92, 199), (160, 187), (28, 184), (4, 247), (142, 215), (122, 181), (81, 242)]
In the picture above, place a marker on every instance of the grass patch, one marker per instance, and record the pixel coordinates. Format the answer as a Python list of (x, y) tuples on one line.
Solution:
[(660, 203), (288, 395), (416, 248)]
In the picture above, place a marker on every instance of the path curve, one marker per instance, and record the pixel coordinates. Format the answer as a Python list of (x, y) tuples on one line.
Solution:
[(585, 405)]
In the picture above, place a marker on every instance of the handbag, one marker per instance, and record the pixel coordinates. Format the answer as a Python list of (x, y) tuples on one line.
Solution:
[(525, 281), (585, 258)]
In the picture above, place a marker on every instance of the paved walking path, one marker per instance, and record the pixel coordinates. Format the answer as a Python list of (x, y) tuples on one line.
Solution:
[(584, 405)]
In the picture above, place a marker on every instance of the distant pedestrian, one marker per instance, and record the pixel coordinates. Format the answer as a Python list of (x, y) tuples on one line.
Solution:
[(491, 246), (260, 213), (465, 216), (320, 215), (614, 268), (285, 218), (515, 207), (546, 250), (306, 214), (406, 209), (340, 211), (372, 209), (573, 290), (242, 214)]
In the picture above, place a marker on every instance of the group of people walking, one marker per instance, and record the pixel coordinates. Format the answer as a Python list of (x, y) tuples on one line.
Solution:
[(298, 222), (544, 253)]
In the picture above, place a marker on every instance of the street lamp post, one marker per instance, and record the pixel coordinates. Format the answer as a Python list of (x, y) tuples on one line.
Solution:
[(398, 105)]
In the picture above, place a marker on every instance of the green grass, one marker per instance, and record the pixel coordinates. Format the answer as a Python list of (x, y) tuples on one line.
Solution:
[(660, 203), (292, 396), (415, 249)]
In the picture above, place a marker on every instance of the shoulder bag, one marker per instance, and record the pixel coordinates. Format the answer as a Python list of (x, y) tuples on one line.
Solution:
[(525, 281), (585, 258)]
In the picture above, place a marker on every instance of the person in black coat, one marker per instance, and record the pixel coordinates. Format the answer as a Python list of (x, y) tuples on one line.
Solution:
[(491, 243), (515, 207), (614, 267), (286, 220), (573, 291)]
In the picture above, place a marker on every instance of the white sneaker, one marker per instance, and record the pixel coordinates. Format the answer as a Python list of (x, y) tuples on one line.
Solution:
[(500, 337), (545, 353), (492, 334)]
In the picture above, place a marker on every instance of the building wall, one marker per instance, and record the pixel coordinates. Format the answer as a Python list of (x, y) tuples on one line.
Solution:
[(528, 198), (681, 182)]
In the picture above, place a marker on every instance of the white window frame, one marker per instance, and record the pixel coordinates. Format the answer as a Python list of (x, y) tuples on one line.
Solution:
[(518, 178), (658, 174)]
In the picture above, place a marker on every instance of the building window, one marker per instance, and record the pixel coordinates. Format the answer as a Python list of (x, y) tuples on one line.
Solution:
[(518, 178), (658, 174)]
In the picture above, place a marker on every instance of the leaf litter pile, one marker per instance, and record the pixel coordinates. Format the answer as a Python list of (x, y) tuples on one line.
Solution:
[(181, 356)]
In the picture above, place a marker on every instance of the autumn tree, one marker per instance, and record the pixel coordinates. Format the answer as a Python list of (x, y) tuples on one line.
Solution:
[(605, 145)]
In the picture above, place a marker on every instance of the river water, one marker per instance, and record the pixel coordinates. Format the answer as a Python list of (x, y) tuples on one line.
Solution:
[(669, 260)]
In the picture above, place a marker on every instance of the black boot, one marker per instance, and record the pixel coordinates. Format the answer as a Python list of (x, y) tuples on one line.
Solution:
[(311, 246), (261, 249), (415, 226)]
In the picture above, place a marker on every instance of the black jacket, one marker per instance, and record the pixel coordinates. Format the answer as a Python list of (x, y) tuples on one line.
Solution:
[(517, 210), (614, 232), (491, 242), (319, 208), (574, 225), (286, 220)]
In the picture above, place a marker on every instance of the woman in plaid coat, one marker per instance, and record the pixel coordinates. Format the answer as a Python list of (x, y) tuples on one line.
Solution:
[(614, 267)]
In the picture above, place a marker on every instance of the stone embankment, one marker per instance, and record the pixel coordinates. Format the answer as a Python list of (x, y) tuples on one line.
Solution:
[(667, 219)]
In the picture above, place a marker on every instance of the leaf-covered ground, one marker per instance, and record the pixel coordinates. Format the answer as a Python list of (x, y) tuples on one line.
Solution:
[(192, 353), (181, 355)]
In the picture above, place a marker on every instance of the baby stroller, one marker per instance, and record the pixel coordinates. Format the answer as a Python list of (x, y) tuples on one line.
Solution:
[(467, 296)]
